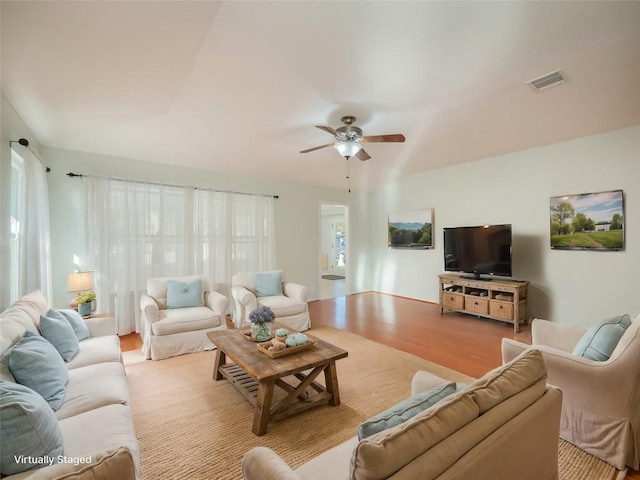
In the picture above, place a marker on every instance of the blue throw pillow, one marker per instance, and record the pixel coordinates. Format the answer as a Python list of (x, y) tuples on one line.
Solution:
[(29, 430), (268, 284), (184, 294), (77, 323), (36, 364), (405, 410), (599, 342), (55, 328)]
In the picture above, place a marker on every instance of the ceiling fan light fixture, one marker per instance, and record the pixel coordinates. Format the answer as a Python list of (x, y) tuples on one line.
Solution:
[(348, 148)]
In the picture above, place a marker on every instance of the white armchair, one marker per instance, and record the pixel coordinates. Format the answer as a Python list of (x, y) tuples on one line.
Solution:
[(601, 399), (287, 300), (168, 332)]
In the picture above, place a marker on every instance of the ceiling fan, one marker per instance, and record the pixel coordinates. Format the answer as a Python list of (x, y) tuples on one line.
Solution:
[(349, 139)]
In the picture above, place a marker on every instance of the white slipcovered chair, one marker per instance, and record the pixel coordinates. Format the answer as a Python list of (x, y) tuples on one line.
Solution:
[(601, 399), (168, 331), (287, 300)]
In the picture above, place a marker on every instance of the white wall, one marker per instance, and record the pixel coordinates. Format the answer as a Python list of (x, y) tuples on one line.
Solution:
[(296, 214), (572, 287)]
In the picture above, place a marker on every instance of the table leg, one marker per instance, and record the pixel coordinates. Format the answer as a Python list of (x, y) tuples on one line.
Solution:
[(221, 359), (331, 379), (263, 407)]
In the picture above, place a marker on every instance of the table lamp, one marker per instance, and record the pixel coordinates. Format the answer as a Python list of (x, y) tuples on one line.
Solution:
[(81, 283)]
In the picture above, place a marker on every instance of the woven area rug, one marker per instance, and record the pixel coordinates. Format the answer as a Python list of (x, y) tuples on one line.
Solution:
[(190, 426), (576, 464)]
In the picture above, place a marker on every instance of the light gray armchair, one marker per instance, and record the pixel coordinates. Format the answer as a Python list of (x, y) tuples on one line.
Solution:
[(601, 406), (287, 300), (168, 332)]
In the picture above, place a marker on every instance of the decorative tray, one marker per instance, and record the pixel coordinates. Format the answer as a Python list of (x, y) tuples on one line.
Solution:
[(263, 347)]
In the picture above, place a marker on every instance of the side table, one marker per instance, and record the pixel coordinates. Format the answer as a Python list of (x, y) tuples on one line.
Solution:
[(99, 315)]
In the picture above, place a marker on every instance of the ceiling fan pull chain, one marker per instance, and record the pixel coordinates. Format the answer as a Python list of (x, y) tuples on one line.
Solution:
[(348, 176)]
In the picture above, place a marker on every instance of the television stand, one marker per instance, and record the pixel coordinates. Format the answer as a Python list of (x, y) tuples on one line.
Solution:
[(503, 300)]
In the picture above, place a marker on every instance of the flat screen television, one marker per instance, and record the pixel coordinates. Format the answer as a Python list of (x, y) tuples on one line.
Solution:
[(481, 250)]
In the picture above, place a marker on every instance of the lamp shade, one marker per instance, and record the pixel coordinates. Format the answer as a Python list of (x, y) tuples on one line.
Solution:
[(348, 148), (80, 281)]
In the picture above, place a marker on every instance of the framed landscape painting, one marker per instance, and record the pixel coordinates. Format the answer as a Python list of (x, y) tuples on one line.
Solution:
[(411, 229), (588, 221)]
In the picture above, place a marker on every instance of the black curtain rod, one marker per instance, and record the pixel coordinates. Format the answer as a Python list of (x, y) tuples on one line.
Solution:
[(25, 143), (73, 175)]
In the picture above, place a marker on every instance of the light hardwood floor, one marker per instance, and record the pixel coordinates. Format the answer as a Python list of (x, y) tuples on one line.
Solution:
[(464, 343)]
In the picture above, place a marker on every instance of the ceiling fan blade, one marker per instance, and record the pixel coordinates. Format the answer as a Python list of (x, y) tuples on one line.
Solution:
[(316, 148), (395, 137), (327, 129), (362, 155)]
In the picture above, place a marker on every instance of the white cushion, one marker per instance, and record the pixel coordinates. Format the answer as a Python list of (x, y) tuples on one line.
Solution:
[(283, 306), (92, 387), (11, 332), (37, 300), (115, 427), (97, 350), (24, 314), (185, 320)]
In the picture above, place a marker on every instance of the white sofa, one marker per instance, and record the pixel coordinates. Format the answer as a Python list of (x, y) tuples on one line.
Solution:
[(94, 418), (167, 332), (502, 426), (290, 306)]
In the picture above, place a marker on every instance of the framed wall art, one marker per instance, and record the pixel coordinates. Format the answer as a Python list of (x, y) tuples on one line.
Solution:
[(411, 229), (588, 221)]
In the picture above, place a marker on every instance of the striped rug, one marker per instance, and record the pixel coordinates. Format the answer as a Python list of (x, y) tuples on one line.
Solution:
[(192, 427)]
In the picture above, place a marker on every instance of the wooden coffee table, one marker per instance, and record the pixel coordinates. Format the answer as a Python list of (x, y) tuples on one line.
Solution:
[(256, 375)]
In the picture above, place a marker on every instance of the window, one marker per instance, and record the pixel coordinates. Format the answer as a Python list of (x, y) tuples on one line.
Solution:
[(153, 230), (340, 245), (18, 184)]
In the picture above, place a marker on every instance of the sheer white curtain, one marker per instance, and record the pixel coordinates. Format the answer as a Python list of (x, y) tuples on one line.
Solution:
[(139, 230), (30, 242)]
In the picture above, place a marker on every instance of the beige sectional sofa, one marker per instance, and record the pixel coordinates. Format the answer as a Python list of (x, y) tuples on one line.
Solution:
[(94, 418), (502, 426)]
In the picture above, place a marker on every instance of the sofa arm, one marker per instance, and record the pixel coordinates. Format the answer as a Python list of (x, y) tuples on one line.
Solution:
[(149, 308), (217, 302), (296, 291), (511, 349), (261, 463), (244, 302), (115, 462), (423, 381), (101, 326), (562, 337)]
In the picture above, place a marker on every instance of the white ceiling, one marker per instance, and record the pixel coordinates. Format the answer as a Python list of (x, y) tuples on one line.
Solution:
[(237, 87)]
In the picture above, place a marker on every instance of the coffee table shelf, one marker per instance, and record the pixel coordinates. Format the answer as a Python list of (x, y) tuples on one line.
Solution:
[(246, 385)]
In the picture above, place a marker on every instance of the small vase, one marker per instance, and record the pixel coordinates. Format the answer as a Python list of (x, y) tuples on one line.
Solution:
[(261, 332), (84, 309)]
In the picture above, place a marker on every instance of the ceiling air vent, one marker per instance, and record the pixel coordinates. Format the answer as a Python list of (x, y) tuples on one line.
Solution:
[(547, 81)]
